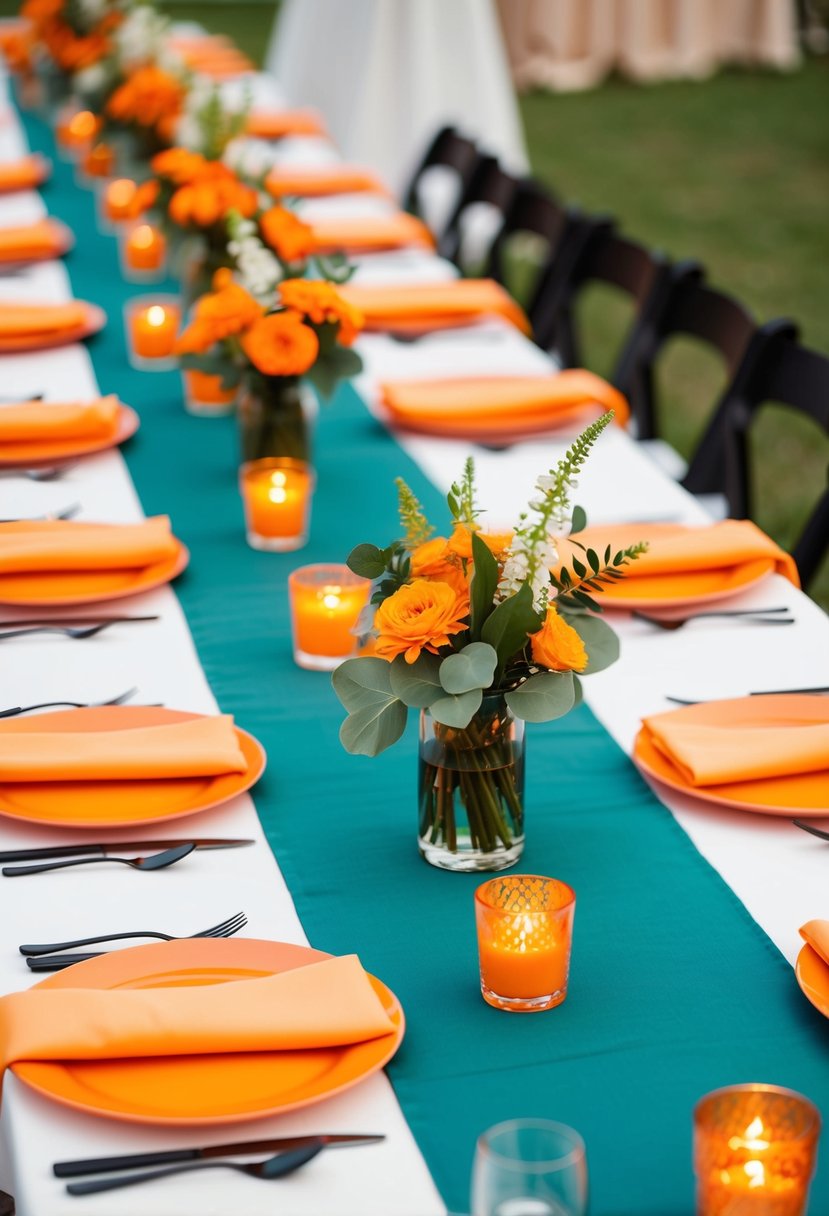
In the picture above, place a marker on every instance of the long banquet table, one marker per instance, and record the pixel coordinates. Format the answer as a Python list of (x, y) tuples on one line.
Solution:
[(687, 914)]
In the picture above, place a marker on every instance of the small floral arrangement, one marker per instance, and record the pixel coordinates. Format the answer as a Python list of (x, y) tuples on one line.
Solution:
[(479, 612), (76, 34), (304, 329)]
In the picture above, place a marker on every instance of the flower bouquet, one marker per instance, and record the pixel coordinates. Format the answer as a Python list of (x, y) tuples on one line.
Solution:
[(303, 328), (481, 632)]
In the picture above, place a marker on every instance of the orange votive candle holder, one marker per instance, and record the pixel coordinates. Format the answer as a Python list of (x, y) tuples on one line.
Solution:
[(118, 199), (754, 1151), (276, 494), (143, 253), (76, 129), (99, 161), (152, 326), (525, 930), (326, 602), (205, 396)]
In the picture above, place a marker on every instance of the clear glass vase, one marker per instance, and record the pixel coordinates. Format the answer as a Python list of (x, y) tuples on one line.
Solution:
[(471, 790), (273, 414)]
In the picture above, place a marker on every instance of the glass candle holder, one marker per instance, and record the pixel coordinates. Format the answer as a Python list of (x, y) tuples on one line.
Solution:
[(529, 1167), (525, 928), (143, 253), (754, 1151), (96, 162), (204, 395), (326, 602), (75, 130), (276, 493), (115, 198), (152, 325)]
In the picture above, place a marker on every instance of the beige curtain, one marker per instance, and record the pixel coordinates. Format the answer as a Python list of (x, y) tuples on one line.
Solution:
[(566, 45)]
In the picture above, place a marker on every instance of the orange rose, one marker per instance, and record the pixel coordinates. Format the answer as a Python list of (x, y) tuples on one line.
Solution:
[(290, 239), (420, 616), (557, 645), (460, 542), (432, 560), (280, 344), (321, 302)]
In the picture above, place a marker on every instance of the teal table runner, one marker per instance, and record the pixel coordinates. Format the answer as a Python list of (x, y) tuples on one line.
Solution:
[(674, 989)]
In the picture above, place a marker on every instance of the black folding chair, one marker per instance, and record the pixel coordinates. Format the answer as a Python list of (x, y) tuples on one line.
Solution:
[(791, 375), (490, 187), (453, 151)]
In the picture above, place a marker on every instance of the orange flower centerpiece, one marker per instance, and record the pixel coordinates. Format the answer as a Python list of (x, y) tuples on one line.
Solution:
[(267, 343), (476, 632)]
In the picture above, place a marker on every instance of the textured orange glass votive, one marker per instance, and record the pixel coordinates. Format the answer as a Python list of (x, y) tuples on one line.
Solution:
[(153, 330), (99, 161), (145, 248), (525, 929), (326, 602), (203, 393), (118, 199), (77, 128), (276, 493), (754, 1151)]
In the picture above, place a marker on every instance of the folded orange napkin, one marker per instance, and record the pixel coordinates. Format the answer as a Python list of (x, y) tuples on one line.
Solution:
[(420, 307), (499, 403), (23, 174), (325, 1004), (65, 544), (19, 320), (33, 420), (816, 934), (275, 124), (316, 182), (716, 755), (369, 235), (198, 747), (28, 242), (676, 549)]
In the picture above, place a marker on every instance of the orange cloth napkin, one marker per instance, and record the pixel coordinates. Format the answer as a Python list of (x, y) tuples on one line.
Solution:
[(36, 420), (28, 242), (816, 934), (65, 544), (370, 235), (19, 320), (23, 174), (420, 307), (675, 549), (275, 124), (717, 755), (198, 747), (516, 404), (325, 1004), (317, 182)]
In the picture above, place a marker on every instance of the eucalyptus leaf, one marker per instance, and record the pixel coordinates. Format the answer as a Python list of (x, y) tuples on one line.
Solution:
[(367, 560), (472, 667), (578, 520), (376, 718), (417, 684), (600, 641), (482, 587), (543, 697), (457, 711), (510, 623), (578, 688)]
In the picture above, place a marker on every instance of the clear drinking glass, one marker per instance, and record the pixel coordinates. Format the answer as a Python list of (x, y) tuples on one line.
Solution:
[(530, 1167)]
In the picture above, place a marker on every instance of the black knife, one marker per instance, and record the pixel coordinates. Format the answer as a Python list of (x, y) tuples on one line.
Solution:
[(82, 850), (103, 1165), (75, 620)]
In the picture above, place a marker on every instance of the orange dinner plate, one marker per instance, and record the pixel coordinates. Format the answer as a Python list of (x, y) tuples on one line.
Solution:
[(65, 588), (94, 321), (97, 804), (683, 589), (31, 453), (812, 975), (64, 241), (227, 1088), (804, 794)]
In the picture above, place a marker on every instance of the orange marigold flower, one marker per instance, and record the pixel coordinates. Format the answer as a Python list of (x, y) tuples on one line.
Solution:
[(557, 645), (290, 239), (321, 302), (145, 97), (281, 344), (420, 616), (222, 313), (205, 201), (178, 165)]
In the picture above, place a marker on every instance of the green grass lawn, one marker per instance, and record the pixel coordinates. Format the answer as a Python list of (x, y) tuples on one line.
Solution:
[(733, 172)]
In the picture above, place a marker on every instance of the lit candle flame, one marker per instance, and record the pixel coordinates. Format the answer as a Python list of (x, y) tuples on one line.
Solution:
[(751, 1138), (755, 1172), (331, 597), (156, 315), (143, 237)]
